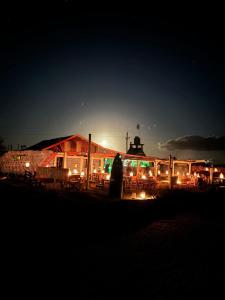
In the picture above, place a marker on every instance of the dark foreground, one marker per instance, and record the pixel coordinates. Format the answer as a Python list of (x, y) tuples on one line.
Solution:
[(95, 248)]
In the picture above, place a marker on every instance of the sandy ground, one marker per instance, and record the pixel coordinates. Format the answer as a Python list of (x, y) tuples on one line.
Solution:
[(96, 248)]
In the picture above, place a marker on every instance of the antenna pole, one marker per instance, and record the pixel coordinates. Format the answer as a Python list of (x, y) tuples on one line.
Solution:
[(127, 138), (88, 161)]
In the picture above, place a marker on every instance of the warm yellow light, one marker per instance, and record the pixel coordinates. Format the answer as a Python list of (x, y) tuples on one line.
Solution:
[(207, 169), (95, 170), (134, 195), (131, 174), (69, 173), (178, 181), (143, 177), (142, 195), (27, 164), (215, 170), (150, 173), (159, 172), (195, 174), (107, 177), (75, 171), (103, 171), (82, 173), (178, 173), (47, 166), (187, 174), (198, 175), (167, 172), (221, 176)]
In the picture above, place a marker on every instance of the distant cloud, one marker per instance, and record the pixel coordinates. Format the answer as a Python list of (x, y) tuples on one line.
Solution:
[(194, 142)]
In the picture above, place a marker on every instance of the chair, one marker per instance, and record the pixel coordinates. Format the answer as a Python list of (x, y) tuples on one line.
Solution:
[(127, 183), (133, 184)]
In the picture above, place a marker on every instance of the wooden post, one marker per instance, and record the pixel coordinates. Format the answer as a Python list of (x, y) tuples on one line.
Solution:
[(65, 160), (127, 138), (138, 167), (170, 172), (211, 175), (156, 168), (88, 161), (189, 169), (81, 167)]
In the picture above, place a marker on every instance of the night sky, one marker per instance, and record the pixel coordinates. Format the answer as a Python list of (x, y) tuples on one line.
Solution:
[(67, 70)]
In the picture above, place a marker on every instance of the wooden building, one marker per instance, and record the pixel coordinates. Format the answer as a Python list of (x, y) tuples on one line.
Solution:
[(65, 157)]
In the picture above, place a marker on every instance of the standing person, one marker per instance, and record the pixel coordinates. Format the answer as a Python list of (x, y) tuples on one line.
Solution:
[(116, 179)]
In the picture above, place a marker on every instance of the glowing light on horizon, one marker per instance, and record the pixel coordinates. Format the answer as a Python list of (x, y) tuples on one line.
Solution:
[(104, 143)]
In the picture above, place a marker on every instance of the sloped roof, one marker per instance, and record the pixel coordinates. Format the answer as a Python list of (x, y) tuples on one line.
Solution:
[(47, 143)]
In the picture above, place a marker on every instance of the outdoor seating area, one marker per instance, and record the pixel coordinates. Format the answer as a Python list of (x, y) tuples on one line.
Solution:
[(141, 178)]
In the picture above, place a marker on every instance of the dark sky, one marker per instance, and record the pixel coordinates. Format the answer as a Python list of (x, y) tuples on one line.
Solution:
[(67, 69)]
